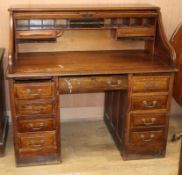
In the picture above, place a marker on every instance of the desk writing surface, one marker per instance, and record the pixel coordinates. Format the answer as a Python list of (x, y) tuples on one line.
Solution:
[(88, 63)]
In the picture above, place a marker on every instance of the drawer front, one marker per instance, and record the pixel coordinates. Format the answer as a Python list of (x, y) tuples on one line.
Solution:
[(136, 31), (150, 83), (33, 90), (33, 125), (34, 108), (149, 102), (146, 136), (141, 120), (92, 84), (36, 141)]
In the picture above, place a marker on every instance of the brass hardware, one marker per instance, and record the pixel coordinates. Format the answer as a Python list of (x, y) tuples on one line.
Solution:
[(33, 144), (145, 122), (142, 136), (119, 82), (29, 107), (147, 105), (35, 111), (39, 90), (151, 85), (109, 82), (29, 91), (41, 126), (78, 82)]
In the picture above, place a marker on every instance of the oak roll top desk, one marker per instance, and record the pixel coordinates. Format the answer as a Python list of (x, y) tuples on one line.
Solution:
[(137, 82)]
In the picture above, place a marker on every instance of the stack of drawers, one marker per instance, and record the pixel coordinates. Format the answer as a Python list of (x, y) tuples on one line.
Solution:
[(36, 130), (148, 119)]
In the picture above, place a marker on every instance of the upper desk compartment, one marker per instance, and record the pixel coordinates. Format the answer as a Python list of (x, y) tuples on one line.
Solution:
[(123, 24)]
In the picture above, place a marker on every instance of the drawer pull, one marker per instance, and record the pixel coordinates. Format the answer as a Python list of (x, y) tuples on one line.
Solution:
[(119, 82), (29, 91), (151, 85), (35, 145), (147, 123), (78, 82), (109, 82), (41, 126), (152, 105), (142, 136), (30, 109)]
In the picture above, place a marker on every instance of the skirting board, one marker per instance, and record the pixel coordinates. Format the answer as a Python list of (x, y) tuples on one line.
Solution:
[(90, 113)]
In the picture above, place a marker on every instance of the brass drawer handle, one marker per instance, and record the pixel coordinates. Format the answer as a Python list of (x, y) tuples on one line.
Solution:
[(78, 82), (147, 105), (41, 126), (30, 109), (151, 85), (109, 82), (35, 112), (119, 82), (34, 145), (147, 123), (142, 136), (29, 91)]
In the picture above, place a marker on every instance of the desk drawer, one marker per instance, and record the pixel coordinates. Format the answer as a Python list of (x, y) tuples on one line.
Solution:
[(33, 142), (149, 102), (135, 31), (33, 90), (33, 125), (146, 120), (32, 108), (150, 83), (146, 136), (92, 84)]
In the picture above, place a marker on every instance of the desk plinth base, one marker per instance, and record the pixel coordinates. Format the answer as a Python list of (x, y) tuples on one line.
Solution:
[(38, 160)]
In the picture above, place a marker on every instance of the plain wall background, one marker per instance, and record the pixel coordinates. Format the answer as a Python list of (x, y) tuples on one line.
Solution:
[(90, 105)]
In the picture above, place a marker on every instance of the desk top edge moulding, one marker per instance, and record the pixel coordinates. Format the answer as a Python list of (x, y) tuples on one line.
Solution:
[(137, 83)]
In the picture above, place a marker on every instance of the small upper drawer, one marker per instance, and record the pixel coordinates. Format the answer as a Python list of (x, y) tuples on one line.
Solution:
[(142, 120), (92, 84), (150, 83), (33, 90), (135, 31), (32, 125), (41, 141), (149, 102), (32, 107), (146, 136)]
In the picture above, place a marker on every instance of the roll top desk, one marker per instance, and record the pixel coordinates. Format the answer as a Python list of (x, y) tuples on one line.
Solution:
[(137, 82)]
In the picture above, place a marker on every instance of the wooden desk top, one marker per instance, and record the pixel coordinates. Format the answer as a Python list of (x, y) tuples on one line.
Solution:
[(87, 63)]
